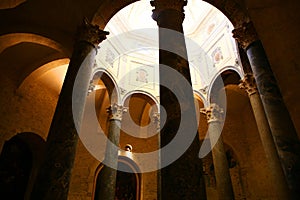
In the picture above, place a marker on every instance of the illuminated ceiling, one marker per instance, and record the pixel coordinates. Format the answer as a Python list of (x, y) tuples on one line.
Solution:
[(138, 16)]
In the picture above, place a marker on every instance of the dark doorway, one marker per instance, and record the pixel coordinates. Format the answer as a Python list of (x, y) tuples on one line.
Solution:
[(126, 185), (15, 169)]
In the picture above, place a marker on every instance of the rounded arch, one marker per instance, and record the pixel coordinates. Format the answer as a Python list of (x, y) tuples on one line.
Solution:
[(227, 146), (102, 18), (218, 81), (123, 161), (234, 170), (32, 50), (110, 84), (11, 3), (41, 70), (201, 97), (235, 12), (12, 39), (20, 158), (139, 120), (148, 96)]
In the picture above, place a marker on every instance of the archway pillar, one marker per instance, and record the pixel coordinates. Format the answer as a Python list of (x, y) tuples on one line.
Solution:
[(182, 179), (109, 172), (214, 116), (55, 172), (281, 187), (280, 122)]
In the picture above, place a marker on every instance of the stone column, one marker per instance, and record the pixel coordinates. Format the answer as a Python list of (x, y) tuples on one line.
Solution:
[(156, 119), (54, 175), (214, 116), (281, 125), (281, 187), (182, 178), (109, 171)]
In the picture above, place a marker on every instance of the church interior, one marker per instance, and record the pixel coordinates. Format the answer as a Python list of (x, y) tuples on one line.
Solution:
[(149, 100)]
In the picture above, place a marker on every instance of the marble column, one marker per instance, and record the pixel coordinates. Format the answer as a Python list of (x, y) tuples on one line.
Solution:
[(276, 171), (280, 122), (54, 175), (182, 179), (214, 116), (109, 171)]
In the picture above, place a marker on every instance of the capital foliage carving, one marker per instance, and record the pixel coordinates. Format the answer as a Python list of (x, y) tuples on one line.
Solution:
[(213, 113), (245, 35), (115, 112), (248, 84), (90, 33)]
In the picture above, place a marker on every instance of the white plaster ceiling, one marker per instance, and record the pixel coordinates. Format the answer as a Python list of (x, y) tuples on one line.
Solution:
[(138, 16)]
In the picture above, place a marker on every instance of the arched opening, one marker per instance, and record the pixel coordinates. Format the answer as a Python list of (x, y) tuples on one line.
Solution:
[(15, 168), (138, 123), (33, 52), (19, 161), (234, 170), (128, 181), (202, 122)]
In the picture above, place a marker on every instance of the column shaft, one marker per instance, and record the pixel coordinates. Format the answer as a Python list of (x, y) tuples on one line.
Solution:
[(182, 179), (54, 175), (281, 125), (221, 168), (156, 119), (281, 187), (109, 171)]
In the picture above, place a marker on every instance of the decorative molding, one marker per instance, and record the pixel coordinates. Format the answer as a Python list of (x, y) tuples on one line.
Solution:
[(123, 91), (161, 5), (245, 35), (91, 87), (213, 113), (90, 33), (115, 112), (248, 84)]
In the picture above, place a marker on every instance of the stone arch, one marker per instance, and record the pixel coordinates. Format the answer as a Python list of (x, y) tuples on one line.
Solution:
[(41, 70), (236, 13), (234, 169), (25, 152), (147, 95), (111, 8), (8, 4), (198, 95), (34, 50), (142, 107), (131, 175), (201, 119), (12, 39), (102, 93), (110, 84), (219, 82)]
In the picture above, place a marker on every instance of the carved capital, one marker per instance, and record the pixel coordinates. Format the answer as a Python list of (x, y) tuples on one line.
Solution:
[(245, 35), (213, 113), (161, 5), (115, 112), (91, 87), (248, 84), (90, 33)]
